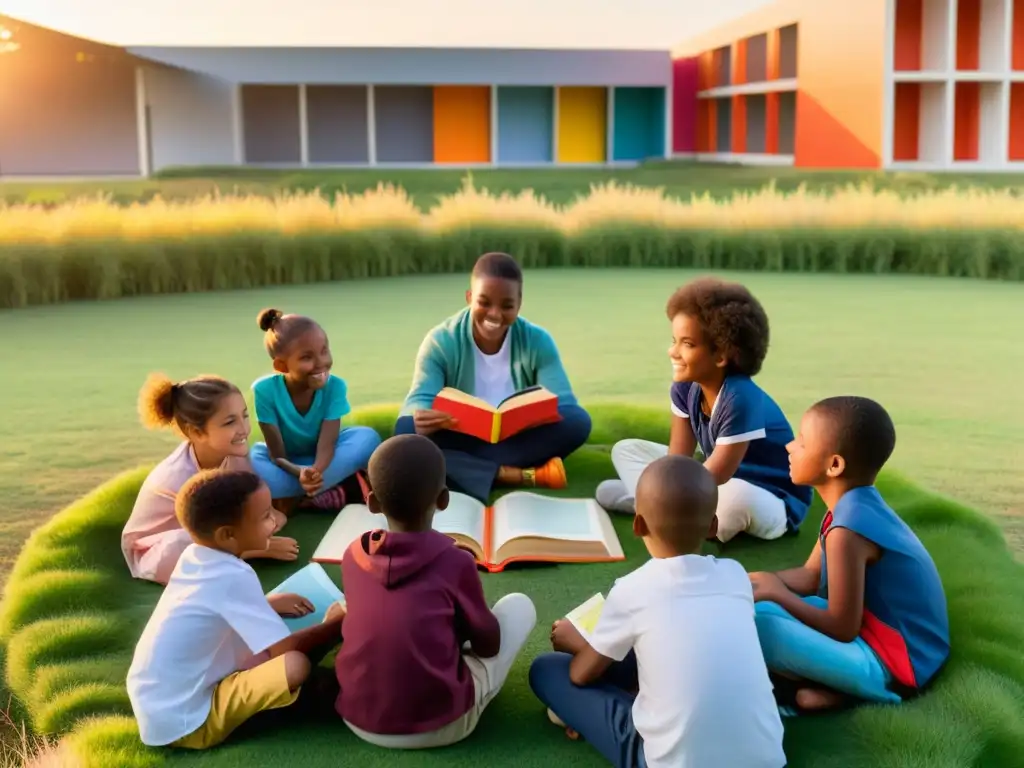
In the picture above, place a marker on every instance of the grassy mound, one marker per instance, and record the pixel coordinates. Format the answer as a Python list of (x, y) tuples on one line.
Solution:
[(71, 615)]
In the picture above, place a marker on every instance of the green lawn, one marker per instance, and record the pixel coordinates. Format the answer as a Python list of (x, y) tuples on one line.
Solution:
[(943, 355), (559, 185), (72, 615)]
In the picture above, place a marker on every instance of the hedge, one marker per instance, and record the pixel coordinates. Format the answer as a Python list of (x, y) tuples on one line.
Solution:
[(106, 252)]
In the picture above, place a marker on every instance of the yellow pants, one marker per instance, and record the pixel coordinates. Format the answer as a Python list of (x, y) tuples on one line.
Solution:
[(239, 697)]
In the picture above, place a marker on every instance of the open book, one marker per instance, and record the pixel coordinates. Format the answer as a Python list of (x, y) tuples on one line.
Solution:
[(312, 583), (521, 526), (524, 410), (584, 617)]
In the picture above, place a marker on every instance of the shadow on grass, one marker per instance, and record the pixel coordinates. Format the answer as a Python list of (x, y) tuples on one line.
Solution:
[(71, 615)]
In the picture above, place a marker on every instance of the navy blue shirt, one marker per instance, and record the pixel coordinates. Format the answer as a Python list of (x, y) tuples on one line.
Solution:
[(743, 412)]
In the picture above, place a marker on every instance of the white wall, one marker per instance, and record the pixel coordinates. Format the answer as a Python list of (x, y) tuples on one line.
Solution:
[(190, 118), (936, 34), (994, 52), (994, 114), (936, 124)]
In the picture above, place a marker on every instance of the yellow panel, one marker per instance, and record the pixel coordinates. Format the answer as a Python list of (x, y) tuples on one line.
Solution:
[(582, 125)]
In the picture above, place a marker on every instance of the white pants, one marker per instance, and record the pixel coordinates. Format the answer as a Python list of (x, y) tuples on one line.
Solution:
[(517, 617), (742, 506)]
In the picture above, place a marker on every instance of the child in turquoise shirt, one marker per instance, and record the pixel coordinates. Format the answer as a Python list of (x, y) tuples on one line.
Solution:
[(306, 455)]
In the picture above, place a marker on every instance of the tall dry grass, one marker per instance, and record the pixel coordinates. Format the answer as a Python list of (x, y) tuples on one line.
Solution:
[(96, 249), (392, 208)]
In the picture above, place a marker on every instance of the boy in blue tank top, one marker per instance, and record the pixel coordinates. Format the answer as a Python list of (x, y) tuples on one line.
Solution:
[(865, 617)]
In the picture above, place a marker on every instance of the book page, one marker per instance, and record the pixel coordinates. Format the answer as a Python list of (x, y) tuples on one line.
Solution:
[(525, 397), (464, 517), (522, 514), (351, 523), (458, 396), (584, 617), (312, 583)]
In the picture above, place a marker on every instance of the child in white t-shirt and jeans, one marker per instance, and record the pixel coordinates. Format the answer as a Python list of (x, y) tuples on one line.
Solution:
[(673, 675), (216, 651)]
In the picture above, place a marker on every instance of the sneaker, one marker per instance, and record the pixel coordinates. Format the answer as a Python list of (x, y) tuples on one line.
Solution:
[(612, 495), (556, 719)]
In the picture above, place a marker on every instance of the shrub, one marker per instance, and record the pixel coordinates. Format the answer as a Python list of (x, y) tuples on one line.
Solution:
[(97, 249)]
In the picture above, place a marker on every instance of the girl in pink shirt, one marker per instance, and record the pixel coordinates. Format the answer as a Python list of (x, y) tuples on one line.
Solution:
[(211, 414)]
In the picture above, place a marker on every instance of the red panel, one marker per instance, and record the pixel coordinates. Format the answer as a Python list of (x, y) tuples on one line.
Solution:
[(967, 119), (968, 34), (685, 75), (906, 121), (909, 22), (1017, 121)]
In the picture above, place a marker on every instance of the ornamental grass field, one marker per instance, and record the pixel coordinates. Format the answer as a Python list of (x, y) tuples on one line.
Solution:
[(96, 249)]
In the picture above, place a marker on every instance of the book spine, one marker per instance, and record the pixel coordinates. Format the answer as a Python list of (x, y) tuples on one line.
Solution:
[(496, 428)]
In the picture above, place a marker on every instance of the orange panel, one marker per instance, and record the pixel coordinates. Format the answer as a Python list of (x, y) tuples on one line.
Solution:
[(909, 23), (1017, 121), (739, 62), (841, 65), (1018, 34), (968, 34), (462, 124), (705, 69), (967, 121), (739, 124), (906, 121), (773, 55), (771, 119)]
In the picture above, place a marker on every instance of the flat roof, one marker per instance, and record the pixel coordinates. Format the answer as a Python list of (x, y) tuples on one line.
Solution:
[(418, 66)]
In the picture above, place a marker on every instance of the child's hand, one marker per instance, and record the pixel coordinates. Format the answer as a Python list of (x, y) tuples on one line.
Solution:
[(311, 480), (428, 421), (767, 587), (566, 638), (291, 606), (336, 612), (283, 548)]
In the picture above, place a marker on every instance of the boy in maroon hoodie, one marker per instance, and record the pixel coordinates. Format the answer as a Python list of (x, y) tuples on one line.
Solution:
[(408, 679)]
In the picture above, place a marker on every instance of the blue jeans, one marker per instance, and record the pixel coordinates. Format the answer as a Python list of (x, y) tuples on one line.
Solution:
[(602, 713), (473, 464), (352, 452), (793, 649)]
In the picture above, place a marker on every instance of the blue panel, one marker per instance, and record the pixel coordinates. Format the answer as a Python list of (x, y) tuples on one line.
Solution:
[(525, 124), (639, 123)]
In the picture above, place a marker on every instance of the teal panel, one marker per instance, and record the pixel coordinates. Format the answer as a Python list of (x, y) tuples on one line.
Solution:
[(639, 123)]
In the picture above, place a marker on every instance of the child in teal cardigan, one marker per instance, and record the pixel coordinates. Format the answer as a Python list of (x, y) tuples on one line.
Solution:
[(488, 351)]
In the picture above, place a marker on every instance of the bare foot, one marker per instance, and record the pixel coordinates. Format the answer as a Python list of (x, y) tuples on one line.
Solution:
[(510, 476), (819, 698), (280, 518), (282, 548), (572, 734)]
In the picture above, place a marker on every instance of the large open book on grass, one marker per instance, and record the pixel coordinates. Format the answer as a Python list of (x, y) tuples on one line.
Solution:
[(524, 410), (521, 526), (312, 583)]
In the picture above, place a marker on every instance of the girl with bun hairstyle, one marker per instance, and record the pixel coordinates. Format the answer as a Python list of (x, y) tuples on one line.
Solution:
[(306, 456), (211, 415)]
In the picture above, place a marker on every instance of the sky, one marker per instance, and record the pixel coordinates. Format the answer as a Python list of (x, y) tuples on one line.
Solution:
[(656, 24)]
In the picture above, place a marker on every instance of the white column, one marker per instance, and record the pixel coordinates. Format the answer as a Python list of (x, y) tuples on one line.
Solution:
[(888, 84), (1002, 133), (669, 106), (949, 132), (303, 127), (142, 123), (554, 125), (237, 129), (609, 132), (494, 125), (371, 126)]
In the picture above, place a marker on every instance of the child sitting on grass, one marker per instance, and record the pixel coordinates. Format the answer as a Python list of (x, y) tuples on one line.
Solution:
[(865, 617), (216, 651), (211, 415), (719, 341), (672, 674), (423, 655), (306, 455)]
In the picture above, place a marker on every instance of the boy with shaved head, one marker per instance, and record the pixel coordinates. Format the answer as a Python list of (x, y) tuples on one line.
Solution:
[(672, 675)]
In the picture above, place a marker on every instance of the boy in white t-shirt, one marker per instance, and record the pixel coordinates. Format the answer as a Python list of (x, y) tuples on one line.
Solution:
[(216, 651), (673, 675)]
